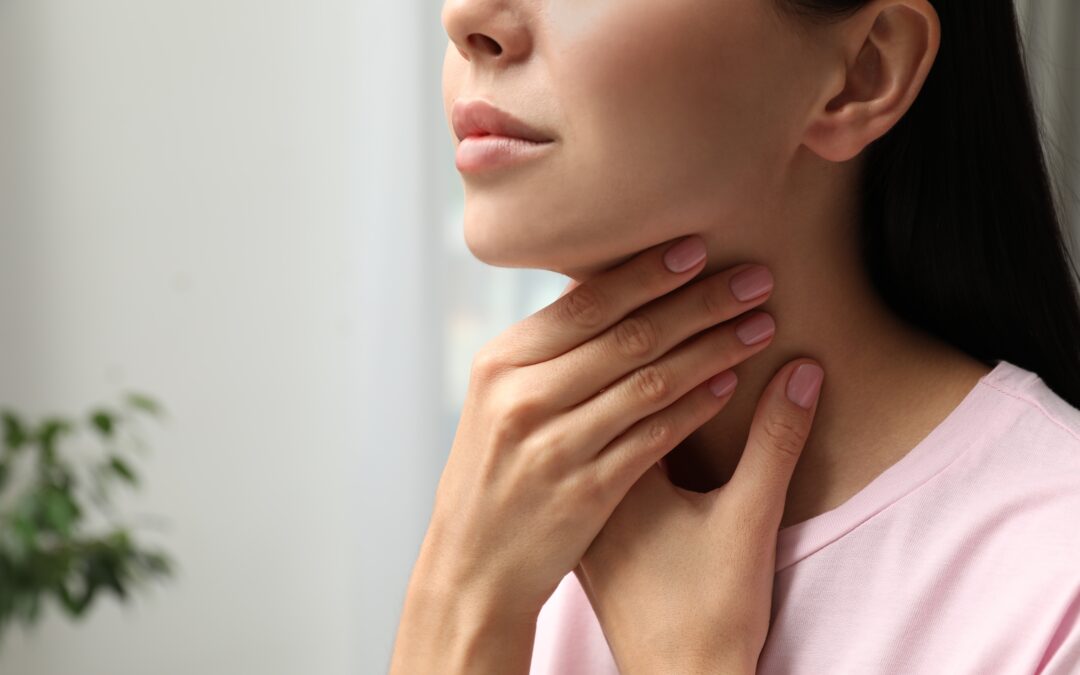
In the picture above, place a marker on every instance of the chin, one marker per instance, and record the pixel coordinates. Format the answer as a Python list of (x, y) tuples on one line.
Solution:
[(498, 241), (538, 254), (529, 234)]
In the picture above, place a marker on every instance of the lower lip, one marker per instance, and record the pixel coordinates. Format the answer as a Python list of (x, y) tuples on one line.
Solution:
[(480, 153)]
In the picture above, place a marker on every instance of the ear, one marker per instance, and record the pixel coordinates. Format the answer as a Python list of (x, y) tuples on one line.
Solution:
[(885, 52)]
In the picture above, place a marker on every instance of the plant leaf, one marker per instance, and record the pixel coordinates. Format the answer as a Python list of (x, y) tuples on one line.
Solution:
[(144, 402), (50, 429), (122, 469), (156, 563), (15, 434), (60, 511), (45, 548), (103, 421)]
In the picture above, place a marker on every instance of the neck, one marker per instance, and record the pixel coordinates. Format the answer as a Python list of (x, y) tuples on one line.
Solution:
[(886, 386), (887, 383)]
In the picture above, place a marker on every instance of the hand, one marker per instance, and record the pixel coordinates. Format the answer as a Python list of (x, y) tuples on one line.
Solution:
[(682, 581), (564, 413)]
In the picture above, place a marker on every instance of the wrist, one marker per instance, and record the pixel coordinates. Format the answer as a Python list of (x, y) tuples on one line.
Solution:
[(726, 661), (446, 629), (691, 668)]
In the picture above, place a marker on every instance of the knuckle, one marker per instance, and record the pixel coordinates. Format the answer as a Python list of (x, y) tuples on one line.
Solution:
[(519, 406), (784, 433), (591, 487), (582, 307), (636, 336), (547, 454), (490, 360), (485, 363), (549, 441), (658, 434), (651, 383)]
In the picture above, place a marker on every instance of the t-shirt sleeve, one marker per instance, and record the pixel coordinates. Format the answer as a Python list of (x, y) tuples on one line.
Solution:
[(569, 639)]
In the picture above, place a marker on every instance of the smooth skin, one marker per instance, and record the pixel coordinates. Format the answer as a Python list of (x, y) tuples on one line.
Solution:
[(735, 123), (567, 414)]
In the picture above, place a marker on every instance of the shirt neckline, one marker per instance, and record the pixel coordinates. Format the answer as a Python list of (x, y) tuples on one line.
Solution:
[(929, 456)]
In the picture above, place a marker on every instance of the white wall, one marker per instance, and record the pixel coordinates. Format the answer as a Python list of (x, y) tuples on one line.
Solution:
[(246, 208), (197, 201)]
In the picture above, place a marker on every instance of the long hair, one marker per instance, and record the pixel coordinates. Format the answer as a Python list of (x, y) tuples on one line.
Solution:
[(960, 229)]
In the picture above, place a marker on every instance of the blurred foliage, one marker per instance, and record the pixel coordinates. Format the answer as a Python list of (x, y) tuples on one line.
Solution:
[(48, 544)]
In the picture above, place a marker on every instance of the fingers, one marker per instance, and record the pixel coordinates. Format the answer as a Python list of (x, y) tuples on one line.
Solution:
[(587, 309), (651, 332), (629, 456), (656, 386), (778, 433)]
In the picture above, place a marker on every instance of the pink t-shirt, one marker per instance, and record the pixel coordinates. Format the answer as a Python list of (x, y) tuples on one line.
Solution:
[(961, 558)]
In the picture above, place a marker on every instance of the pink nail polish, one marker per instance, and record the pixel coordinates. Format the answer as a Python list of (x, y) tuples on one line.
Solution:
[(722, 384), (685, 254), (805, 384)]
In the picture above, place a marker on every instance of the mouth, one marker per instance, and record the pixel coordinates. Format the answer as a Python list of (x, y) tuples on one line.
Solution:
[(490, 138), (478, 118), (483, 153)]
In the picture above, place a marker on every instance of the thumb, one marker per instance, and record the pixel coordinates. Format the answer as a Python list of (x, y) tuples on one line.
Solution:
[(778, 434)]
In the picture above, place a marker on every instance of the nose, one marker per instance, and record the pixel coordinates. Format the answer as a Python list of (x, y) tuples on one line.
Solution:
[(487, 30)]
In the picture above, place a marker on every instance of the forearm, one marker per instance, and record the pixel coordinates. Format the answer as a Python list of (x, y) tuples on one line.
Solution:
[(444, 632)]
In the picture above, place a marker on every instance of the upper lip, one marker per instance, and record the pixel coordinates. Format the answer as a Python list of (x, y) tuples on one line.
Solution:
[(480, 118)]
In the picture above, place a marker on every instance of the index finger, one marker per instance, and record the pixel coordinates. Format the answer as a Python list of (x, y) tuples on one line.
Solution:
[(584, 310)]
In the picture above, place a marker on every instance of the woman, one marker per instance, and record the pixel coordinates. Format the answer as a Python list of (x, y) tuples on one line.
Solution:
[(848, 187)]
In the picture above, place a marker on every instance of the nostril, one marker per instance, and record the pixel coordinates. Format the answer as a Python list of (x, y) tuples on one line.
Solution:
[(484, 42)]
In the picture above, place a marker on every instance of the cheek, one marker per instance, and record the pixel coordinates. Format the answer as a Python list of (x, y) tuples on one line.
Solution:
[(669, 98)]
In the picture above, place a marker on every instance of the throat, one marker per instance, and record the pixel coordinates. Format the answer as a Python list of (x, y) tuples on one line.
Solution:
[(857, 435)]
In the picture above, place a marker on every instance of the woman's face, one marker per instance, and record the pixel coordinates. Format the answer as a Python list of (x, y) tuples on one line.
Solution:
[(669, 117)]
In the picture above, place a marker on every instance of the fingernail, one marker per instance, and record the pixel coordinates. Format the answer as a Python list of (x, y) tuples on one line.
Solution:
[(685, 254), (751, 282), (755, 329), (722, 384), (805, 384)]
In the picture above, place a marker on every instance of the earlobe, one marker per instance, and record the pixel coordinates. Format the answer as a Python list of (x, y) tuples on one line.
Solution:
[(893, 44)]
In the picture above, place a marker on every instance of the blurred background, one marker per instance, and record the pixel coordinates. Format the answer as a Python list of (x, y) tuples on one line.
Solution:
[(249, 210)]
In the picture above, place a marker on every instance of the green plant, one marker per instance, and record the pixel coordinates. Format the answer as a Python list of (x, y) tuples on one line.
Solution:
[(50, 544)]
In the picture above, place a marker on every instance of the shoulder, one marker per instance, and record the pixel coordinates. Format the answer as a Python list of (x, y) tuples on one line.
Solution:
[(1035, 416), (1026, 477)]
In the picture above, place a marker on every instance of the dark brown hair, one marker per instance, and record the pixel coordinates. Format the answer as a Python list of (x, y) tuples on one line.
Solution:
[(960, 230)]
